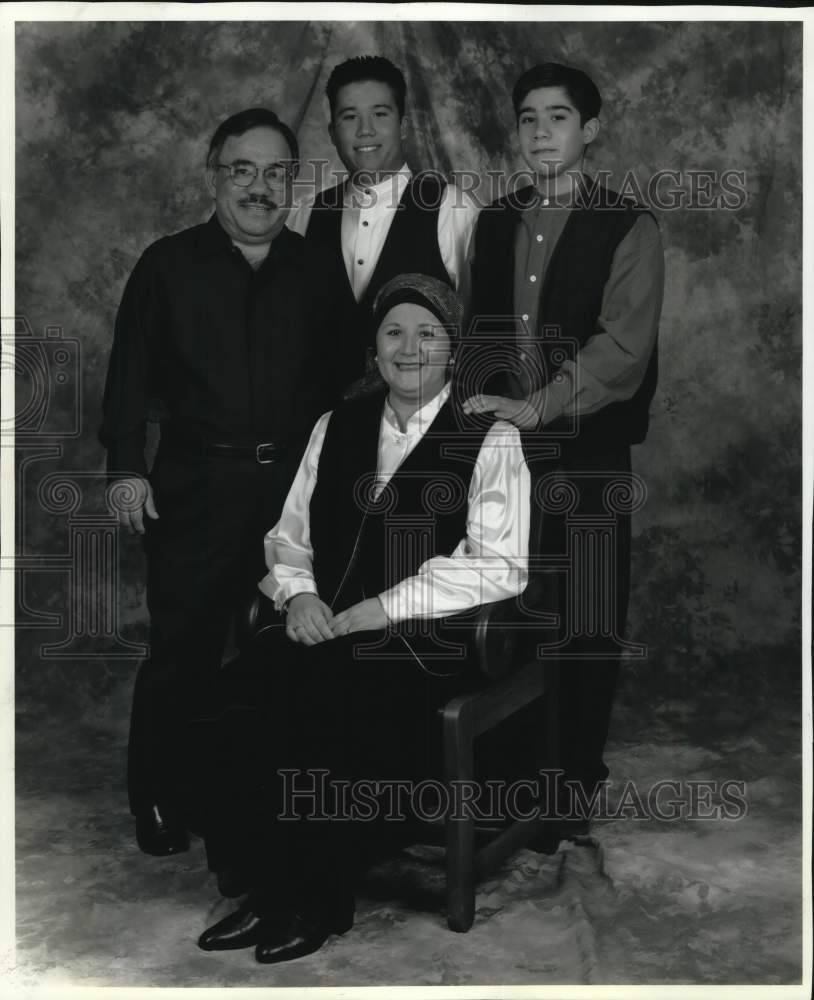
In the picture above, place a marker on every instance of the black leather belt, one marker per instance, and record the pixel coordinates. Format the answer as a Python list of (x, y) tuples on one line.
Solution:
[(263, 454), (182, 439)]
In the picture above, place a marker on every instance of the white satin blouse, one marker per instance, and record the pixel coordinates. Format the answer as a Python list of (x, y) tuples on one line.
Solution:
[(489, 564)]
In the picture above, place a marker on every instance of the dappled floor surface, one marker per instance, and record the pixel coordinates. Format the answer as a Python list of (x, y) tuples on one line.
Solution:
[(639, 901)]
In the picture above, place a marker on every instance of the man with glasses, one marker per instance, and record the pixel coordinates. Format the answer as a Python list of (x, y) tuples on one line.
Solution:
[(225, 325)]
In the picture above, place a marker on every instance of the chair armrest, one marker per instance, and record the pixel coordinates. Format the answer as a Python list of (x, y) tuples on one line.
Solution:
[(252, 617), (494, 640), (504, 633)]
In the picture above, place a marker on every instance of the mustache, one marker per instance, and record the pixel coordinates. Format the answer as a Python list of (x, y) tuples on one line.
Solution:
[(259, 199)]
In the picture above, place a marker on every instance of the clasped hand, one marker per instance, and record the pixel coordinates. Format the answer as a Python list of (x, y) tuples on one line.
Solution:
[(311, 621)]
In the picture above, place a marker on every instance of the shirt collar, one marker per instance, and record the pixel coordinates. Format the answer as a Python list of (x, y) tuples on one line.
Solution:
[(386, 194), (420, 421), (530, 198), (213, 239)]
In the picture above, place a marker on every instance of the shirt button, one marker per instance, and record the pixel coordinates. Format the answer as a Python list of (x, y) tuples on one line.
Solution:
[(539, 238), (532, 277), (360, 261), (364, 223), (525, 317), (545, 201), (558, 378)]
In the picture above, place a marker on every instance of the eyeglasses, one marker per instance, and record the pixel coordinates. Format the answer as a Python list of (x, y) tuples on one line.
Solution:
[(244, 173)]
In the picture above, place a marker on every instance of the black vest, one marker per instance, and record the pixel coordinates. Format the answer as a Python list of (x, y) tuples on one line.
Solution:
[(364, 546), (570, 303), (411, 244)]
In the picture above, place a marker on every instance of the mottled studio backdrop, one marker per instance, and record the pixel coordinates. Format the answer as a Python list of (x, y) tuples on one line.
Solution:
[(112, 125)]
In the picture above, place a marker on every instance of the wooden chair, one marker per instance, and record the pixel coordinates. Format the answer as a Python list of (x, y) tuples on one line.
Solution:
[(522, 680), (506, 638)]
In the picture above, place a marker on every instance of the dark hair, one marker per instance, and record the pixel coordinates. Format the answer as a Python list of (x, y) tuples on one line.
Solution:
[(367, 68), (242, 122), (578, 85)]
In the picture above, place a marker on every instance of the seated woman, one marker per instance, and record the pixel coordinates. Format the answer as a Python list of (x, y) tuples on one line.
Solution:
[(404, 512)]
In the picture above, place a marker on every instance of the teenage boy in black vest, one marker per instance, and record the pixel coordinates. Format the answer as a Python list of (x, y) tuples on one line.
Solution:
[(579, 271), (382, 220)]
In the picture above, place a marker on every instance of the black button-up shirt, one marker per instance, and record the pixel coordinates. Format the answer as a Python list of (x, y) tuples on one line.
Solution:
[(231, 353)]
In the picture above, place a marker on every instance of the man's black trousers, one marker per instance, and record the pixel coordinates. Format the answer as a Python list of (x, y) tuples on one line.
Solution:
[(204, 558), (581, 526)]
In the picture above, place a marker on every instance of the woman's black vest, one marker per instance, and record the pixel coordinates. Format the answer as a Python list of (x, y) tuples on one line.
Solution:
[(364, 546)]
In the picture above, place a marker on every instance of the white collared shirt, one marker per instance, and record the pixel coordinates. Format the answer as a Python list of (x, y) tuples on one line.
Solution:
[(368, 214), (396, 444), (489, 564)]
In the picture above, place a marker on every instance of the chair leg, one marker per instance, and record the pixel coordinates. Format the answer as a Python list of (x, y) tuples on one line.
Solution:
[(460, 829)]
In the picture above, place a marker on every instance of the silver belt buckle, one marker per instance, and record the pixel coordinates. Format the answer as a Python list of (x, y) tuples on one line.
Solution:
[(265, 461)]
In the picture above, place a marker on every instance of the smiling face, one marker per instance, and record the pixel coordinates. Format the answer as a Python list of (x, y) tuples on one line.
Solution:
[(253, 214), (413, 351), (367, 130), (552, 140)]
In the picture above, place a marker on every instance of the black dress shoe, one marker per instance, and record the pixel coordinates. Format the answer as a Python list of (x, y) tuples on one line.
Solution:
[(297, 937), (240, 929), (160, 833)]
